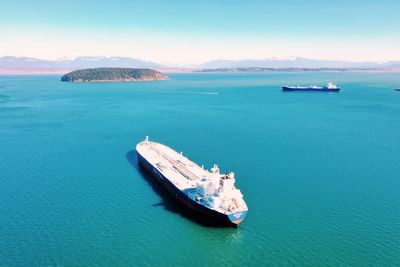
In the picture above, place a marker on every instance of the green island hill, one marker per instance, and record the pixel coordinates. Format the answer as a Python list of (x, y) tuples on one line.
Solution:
[(114, 75)]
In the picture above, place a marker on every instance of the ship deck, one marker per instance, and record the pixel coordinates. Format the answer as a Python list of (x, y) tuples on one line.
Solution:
[(181, 171)]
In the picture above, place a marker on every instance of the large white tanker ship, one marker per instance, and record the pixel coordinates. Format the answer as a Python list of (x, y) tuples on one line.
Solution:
[(208, 192)]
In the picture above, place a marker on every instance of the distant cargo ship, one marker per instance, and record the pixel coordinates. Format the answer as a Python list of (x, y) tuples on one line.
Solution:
[(206, 192), (331, 87)]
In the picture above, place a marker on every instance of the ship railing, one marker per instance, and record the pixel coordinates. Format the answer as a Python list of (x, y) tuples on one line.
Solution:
[(177, 165), (181, 169), (185, 173)]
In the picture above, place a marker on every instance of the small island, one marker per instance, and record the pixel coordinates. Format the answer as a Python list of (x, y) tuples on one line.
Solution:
[(113, 75)]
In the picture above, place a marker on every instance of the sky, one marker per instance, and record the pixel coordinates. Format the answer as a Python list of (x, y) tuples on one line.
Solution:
[(191, 32)]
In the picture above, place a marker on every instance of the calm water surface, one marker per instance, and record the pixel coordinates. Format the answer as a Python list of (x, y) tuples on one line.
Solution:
[(320, 171)]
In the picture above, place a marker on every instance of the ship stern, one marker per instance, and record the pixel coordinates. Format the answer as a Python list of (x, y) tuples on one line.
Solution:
[(237, 217)]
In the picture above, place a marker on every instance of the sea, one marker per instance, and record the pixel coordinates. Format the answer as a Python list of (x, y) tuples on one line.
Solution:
[(320, 172)]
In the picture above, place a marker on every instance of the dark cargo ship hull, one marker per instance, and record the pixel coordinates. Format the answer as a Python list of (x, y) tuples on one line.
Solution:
[(323, 89)]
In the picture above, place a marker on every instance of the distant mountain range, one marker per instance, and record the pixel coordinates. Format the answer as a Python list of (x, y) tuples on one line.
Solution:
[(11, 64)]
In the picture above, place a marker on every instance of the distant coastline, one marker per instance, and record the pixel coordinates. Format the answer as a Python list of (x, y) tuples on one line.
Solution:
[(13, 71), (218, 70), (12, 65), (255, 69)]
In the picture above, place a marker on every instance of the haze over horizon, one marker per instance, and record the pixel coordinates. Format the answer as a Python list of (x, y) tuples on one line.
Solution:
[(183, 33)]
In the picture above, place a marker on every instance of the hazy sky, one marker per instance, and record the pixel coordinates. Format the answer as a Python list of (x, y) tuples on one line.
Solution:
[(186, 32)]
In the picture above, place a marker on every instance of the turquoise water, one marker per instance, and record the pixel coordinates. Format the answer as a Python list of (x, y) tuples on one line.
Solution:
[(320, 171)]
